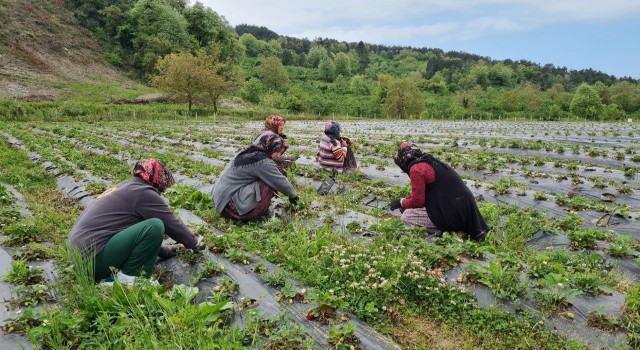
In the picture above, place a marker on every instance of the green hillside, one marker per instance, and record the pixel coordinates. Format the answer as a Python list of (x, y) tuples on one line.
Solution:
[(95, 52), (46, 55)]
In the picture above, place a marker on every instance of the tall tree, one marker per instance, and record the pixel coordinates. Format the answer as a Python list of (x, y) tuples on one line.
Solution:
[(253, 90), (327, 70), (155, 29), (343, 64), (272, 73), (363, 56), (184, 75), (206, 26), (202, 75), (228, 76), (316, 55), (586, 102), (403, 99)]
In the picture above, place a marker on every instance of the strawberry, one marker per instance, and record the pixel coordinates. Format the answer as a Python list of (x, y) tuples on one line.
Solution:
[(311, 315)]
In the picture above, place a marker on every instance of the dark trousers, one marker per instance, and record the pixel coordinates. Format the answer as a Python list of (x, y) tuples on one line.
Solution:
[(133, 250)]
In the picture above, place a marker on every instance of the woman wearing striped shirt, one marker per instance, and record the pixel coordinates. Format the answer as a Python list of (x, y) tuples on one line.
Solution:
[(334, 151)]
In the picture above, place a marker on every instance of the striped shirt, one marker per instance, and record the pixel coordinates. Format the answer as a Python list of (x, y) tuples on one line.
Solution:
[(326, 157)]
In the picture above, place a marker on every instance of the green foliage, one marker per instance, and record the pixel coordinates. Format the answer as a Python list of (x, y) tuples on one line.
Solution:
[(22, 232), (32, 295), (207, 27), (33, 251), (343, 64), (403, 99), (316, 55), (554, 291), (22, 273), (272, 73), (203, 75), (153, 30), (281, 333), (586, 238), (253, 90), (276, 278), (191, 257), (188, 198), (586, 103), (327, 70), (599, 319), (503, 278), (343, 336)]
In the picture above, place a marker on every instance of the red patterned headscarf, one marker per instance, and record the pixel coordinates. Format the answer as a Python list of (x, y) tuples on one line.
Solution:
[(154, 173), (273, 122)]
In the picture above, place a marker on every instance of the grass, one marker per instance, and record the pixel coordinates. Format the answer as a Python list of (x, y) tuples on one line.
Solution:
[(85, 92)]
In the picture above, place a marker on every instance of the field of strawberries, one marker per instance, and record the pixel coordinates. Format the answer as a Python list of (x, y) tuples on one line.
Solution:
[(558, 270)]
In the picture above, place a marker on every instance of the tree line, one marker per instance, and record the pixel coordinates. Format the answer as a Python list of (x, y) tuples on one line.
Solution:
[(192, 52)]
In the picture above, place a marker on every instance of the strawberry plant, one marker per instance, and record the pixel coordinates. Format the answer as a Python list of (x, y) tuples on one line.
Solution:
[(8, 215), (32, 295), (208, 269), (354, 227), (188, 198), (227, 287), (291, 293), (218, 244), (21, 273), (22, 232), (343, 337), (504, 280), (190, 256), (327, 306), (599, 319), (553, 292), (238, 256), (276, 278), (586, 238), (33, 252)]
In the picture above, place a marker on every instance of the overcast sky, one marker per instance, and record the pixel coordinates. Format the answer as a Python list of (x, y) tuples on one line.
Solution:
[(577, 34)]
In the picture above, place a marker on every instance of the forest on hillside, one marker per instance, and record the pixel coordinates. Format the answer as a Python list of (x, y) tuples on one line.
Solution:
[(325, 76)]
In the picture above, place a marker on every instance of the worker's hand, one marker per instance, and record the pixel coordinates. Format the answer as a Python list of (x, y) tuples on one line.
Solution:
[(168, 251), (200, 245), (294, 200), (395, 204)]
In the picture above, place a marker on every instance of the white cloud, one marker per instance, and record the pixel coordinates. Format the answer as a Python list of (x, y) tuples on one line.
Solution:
[(295, 13), (384, 21), (382, 34)]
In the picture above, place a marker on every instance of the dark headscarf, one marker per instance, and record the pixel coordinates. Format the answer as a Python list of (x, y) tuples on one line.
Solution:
[(332, 129), (409, 154), (267, 145), (154, 173)]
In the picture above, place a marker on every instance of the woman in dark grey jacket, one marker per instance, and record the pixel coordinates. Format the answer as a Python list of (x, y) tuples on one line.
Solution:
[(124, 228), (246, 186)]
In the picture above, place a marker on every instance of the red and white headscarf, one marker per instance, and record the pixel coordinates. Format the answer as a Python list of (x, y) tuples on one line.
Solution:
[(154, 173), (273, 122)]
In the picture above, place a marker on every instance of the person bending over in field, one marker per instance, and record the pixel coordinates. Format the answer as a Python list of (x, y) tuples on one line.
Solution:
[(274, 125), (334, 151), (245, 187), (439, 199), (124, 228)]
